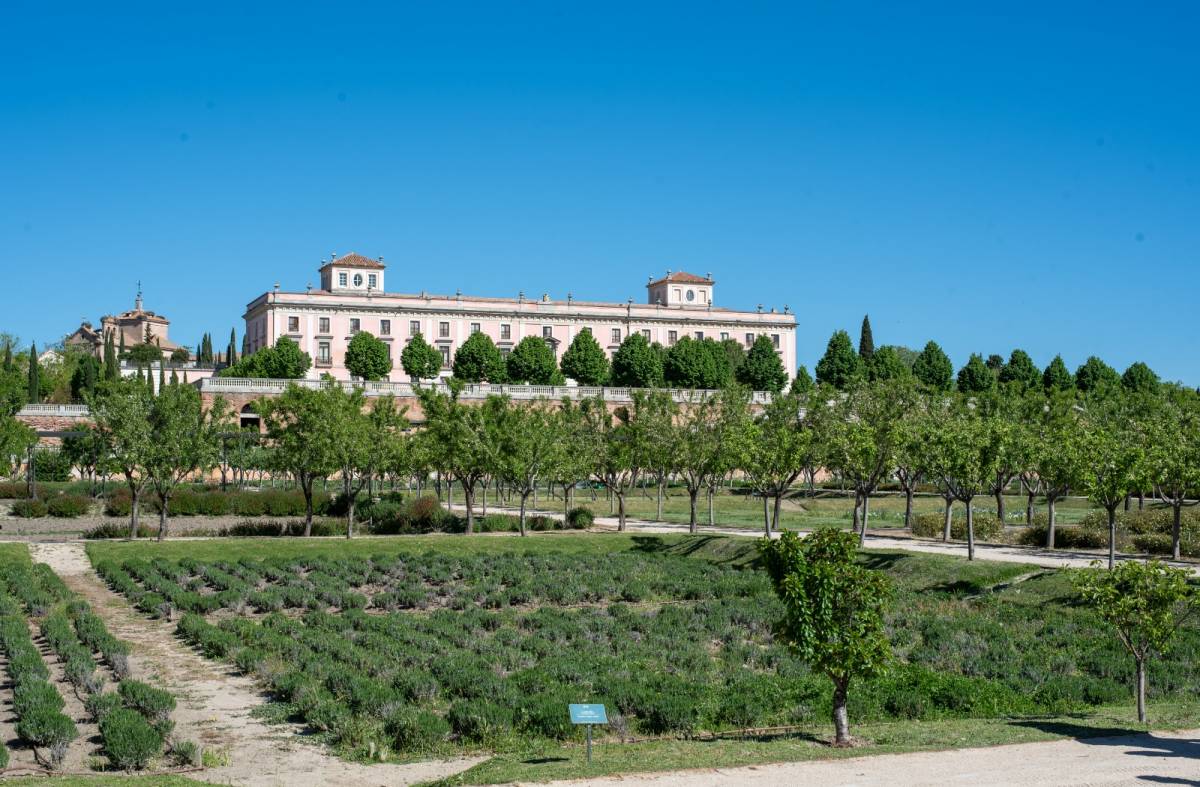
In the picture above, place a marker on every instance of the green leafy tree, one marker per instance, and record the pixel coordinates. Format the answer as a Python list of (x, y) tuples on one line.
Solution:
[(636, 364), (528, 437), (184, 439), (762, 370), (122, 414), (532, 362), (1147, 603), (1058, 456), (478, 360), (866, 342), (302, 436), (86, 450), (585, 361), (84, 378), (933, 368), (420, 360), (367, 357), (284, 361), (696, 363), (1095, 376), (833, 611), (886, 364), (35, 388), (15, 441), (704, 442), (460, 441), (735, 355), (1020, 371), (1113, 461), (1057, 377), (364, 440), (976, 377), (840, 367), (972, 461), (1173, 457), (231, 349), (180, 355), (112, 370), (1140, 378), (803, 382), (776, 448), (145, 353), (618, 443)]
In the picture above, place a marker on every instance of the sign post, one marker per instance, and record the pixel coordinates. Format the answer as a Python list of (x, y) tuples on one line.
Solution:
[(589, 716)]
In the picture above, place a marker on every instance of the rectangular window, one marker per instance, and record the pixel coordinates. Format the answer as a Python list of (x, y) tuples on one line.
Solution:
[(724, 336), (678, 295), (672, 337), (699, 335), (616, 335), (372, 280), (323, 323), (505, 331), (293, 325), (414, 327), (775, 340), (354, 325), (702, 294), (445, 355), (341, 280), (323, 352), (547, 332), (385, 327), (444, 330), (646, 333), (749, 339), (474, 327)]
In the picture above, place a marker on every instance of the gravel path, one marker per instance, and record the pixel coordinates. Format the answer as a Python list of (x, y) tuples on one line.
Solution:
[(215, 703), (1157, 758)]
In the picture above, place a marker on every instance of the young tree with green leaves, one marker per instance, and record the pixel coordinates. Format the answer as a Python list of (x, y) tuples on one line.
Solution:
[(478, 360), (833, 611), (528, 436), (1140, 378), (1097, 377), (184, 439), (15, 441), (972, 459), (637, 364), (704, 442), (618, 444), (1058, 456), (122, 414), (1056, 378), (1147, 603), (1173, 460), (368, 357), (762, 370), (585, 361), (87, 452), (568, 463), (933, 368), (886, 364), (364, 440), (803, 382), (302, 436), (840, 366), (459, 438), (976, 377), (532, 362), (776, 448), (1113, 461), (1020, 372), (420, 360)]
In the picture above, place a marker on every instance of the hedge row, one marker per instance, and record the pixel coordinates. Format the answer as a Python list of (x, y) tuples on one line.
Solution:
[(987, 526), (188, 502), (37, 705)]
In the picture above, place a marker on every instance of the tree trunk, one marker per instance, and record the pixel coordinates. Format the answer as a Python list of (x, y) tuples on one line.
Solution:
[(620, 510), (350, 517), (1127, 499), (1141, 690), (862, 532), (948, 521), (908, 503), (659, 505), (566, 503), (1029, 507), (611, 503), (1000, 513), (135, 499), (693, 493), (766, 517), (854, 523), (841, 719), (164, 502), (778, 506), (712, 520), (521, 521), (306, 487), (1176, 505), (483, 499), (1141, 500), (1112, 536), (469, 501), (1049, 521), (970, 532)]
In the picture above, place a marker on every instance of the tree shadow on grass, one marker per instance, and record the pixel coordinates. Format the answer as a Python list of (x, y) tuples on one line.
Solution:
[(881, 561), (543, 760)]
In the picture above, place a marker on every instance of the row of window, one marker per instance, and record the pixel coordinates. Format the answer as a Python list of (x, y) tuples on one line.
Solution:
[(414, 327), (372, 280)]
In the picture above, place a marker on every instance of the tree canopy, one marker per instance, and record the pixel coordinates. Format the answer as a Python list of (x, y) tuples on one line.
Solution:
[(478, 360), (284, 361), (585, 361), (637, 364), (367, 357), (841, 365), (762, 370), (419, 359), (532, 362), (933, 368)]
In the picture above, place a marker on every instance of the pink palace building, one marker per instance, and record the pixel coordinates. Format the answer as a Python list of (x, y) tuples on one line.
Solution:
[(353, 298)]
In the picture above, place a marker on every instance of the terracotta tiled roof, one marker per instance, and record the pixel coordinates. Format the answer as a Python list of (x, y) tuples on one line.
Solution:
[(354, 260), (681, 277)]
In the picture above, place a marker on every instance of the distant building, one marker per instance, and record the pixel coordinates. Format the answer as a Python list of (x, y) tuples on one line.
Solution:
[(134, 325), (352, 298)]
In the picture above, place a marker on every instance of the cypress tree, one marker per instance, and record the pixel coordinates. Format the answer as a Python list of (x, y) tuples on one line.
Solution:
[(866, 342), (35, 382), (162, 376), (199, 354), (8, 361), (174, 377), (245, 345), (231, 352), (121, 349), (185, 382)]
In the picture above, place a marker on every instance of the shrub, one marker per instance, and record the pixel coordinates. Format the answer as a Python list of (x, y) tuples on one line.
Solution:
[(3, 756), (116, 530), (479, 720), (29, 509), (13, 490), (987, 526), (51, 466), (155, 704), (129, 740), (1065, 537), (425, 513), (68, 506), (99, 705), (580, 518), (187, 753), (415, 729), (45, 727)]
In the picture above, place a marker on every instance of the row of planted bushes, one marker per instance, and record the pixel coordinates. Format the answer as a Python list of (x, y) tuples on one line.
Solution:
[(189, 502), (65, 506), (1148, 530), (932, 525)]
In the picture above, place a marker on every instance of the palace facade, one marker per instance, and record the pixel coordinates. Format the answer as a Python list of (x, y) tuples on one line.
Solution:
[(352, 298)]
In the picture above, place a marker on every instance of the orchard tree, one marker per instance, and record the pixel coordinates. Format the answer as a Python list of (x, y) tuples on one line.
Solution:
[(1020, 372), (1058, 456), (569, 462), (528, 439), (1147, 603), (976, 377), (840, 367), (972, 459), (364, 439), (762, 370), (585, 361), (532, 362), (933, 368), (460, 439), (87, 451), (1140, 378), (15, 441), (1113, 461), (303, 437), (637, 364), (367, 357), (833, 611), (420, 360), (1095, 376), (1056, 377), (705, 442), (184, 439), (618, 444), (777, 447), (1174, 457), (478, 360), (122, 414)]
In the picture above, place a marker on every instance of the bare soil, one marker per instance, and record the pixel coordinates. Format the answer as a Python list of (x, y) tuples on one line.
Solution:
[(215, 704)]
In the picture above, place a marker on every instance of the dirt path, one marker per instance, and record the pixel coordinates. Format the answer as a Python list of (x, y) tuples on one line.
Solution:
[(1161, 757), (215, 703)]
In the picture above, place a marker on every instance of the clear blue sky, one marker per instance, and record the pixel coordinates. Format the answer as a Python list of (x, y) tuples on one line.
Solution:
[(1026, 176)]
